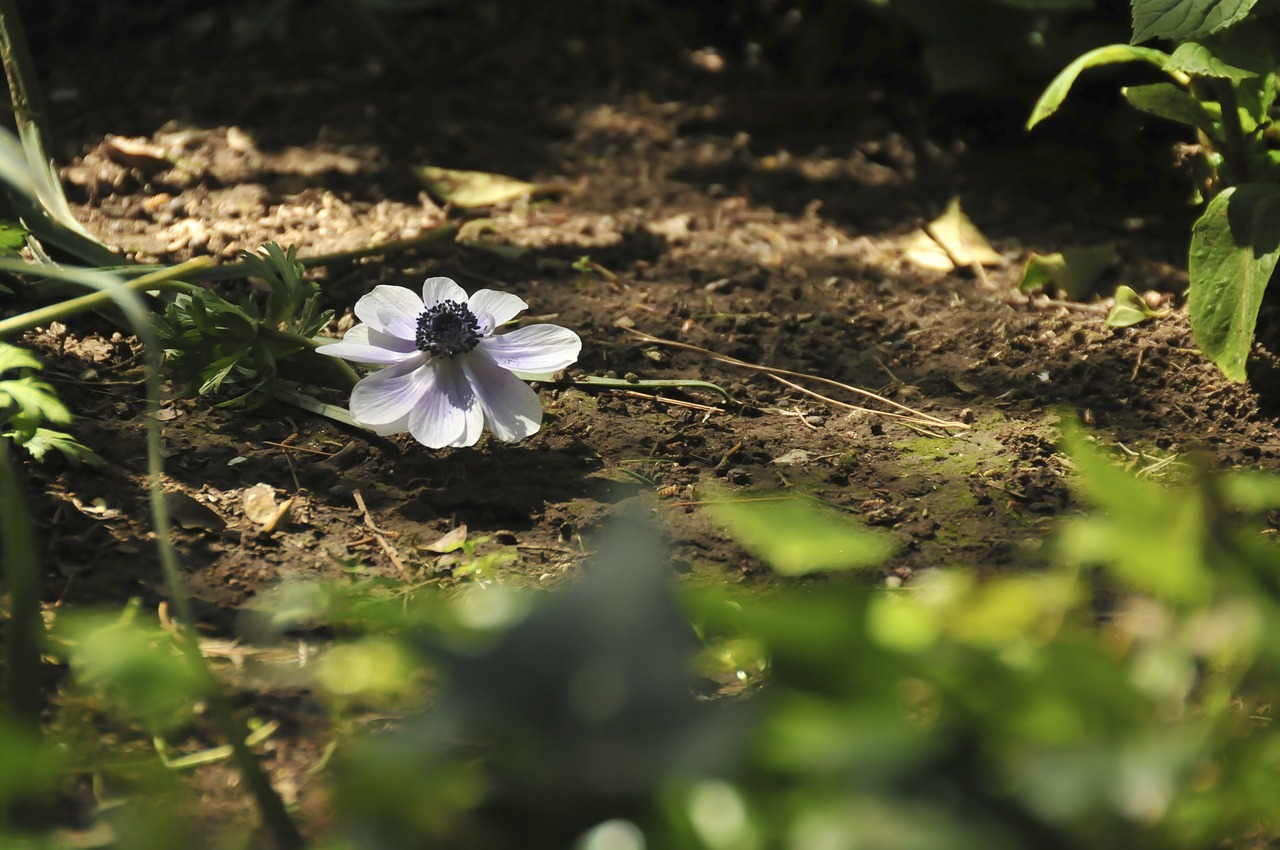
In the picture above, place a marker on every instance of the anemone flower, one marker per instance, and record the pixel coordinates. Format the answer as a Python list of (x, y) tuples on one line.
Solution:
[(446, 375)]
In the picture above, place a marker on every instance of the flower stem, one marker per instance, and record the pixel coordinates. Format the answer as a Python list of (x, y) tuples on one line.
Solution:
[(23, 632), (159, 281), (229, 271), (307, 342)]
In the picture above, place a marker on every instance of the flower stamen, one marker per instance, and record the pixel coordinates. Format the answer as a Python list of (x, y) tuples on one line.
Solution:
[(447, 329)]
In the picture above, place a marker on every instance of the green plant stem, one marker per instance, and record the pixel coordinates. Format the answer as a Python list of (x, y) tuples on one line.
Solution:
[(342, 366), (444, 232), (21, 691), (275, 817), (16, 57), (159, 281), (1235, 152)]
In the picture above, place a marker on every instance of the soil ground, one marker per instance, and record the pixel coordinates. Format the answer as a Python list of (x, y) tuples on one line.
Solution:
[(743, 213)]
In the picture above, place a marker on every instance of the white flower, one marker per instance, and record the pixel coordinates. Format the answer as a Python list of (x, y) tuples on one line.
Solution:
[(446, 374)]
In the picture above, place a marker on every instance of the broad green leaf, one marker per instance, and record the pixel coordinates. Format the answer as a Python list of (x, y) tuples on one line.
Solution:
[(1073, 271), (1234, 249), (1180, 20), (1166, 100), (1199, 61), (1130, 309), (1112, 54), (796, 536)]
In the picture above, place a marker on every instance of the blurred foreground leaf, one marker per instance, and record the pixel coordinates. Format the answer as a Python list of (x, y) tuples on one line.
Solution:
[(796, 536)]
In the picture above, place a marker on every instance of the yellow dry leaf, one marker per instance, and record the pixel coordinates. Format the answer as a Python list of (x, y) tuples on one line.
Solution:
[(923, 252), (961, 239), (478, 188)]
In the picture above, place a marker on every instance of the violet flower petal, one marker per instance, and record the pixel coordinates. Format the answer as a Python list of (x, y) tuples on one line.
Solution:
[(511, 409), (499, 307), (535, 348), (391, 309), (449, 414), (437, 289), (387, 396)]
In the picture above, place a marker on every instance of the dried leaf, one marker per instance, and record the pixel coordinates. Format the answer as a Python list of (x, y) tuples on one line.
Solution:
[(261, 508), (260, 503), (136, 153), (961, 239), (923, 252), (189, 513), (478, 188), (450, 541)]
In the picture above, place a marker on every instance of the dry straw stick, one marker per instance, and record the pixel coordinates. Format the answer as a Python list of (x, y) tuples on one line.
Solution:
[(906, 414)]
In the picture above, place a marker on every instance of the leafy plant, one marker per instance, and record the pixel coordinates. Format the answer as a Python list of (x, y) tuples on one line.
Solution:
[(210, 342), (1222, 83), (27, 403)]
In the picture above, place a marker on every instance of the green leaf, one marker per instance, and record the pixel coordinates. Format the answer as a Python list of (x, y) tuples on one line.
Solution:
[(1130, 309), (1250, 490), (13, 357), (1073, 271), (1111, 54), (797, 536), (1234, 249), (1171, 102), (1152, 538), (1197, 60), (26, 401), (40, 442), (12, 238), (1180, 20), (136, 666)]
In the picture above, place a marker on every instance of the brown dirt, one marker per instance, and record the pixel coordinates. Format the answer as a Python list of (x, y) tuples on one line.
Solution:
[(767, 225)]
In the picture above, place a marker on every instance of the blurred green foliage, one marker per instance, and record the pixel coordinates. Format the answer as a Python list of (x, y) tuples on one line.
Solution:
[(1119, 697)]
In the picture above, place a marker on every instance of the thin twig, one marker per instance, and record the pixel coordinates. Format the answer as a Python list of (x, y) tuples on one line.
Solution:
[(854, 407), (387, 548), (675, 402), (776, 373)]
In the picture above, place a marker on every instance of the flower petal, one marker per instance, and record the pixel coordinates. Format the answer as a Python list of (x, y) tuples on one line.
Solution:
[(500, 307), (448, 415), (386, 397), (535, 348), (511, 410), (391, 309), (366, 335), (437, 289), (362, 344)]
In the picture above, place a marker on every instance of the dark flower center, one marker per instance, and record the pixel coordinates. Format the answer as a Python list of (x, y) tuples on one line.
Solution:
[(449, 329)]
